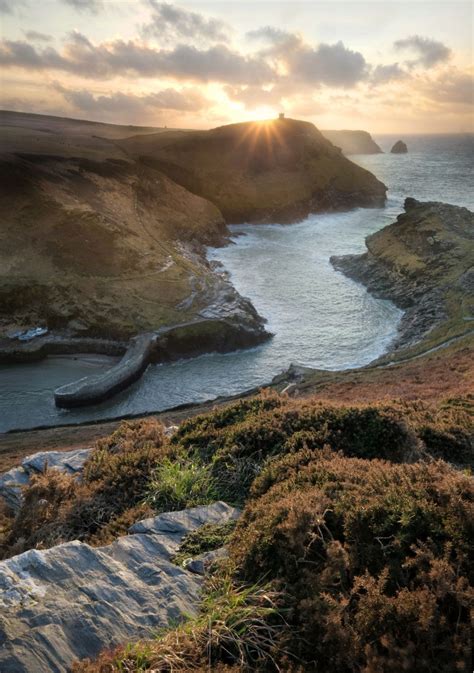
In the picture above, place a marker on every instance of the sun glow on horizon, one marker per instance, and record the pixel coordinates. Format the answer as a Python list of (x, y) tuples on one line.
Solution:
[(263, 113)]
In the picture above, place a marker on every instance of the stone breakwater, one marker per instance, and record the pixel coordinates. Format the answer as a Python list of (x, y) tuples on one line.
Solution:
[(164, 345), (71, 601)]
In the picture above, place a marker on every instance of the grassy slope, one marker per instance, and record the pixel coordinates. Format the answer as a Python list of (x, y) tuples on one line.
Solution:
[(95, 240), (424, 262)]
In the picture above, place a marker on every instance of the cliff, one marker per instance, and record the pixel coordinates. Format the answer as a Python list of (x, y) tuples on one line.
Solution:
[(272, 171), (353, 142), (93, 243), (103, 234), (424, 263)]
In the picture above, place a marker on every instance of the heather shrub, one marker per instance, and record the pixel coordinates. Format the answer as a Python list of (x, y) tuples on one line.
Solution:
[(374, 560), (221, 455), (209, 537), (239, 440), (57, 507)]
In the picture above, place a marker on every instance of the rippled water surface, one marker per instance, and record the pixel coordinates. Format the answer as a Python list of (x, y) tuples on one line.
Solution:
[(318, 316)]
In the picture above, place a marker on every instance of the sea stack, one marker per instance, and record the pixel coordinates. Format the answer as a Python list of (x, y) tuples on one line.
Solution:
[(399, 148)]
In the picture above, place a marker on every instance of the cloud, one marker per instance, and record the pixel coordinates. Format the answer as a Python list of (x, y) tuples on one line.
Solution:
[(387, 73), (118, 57), (330, 64), (93, 6), (186, 100), (10, 6), (35, 36), (451, 87), (171, 23), (429, 52), (254, 96)]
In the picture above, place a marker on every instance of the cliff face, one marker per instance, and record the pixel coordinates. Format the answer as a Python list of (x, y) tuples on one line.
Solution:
[(261, 171), (424, 263), (353, 142), (93, 243)]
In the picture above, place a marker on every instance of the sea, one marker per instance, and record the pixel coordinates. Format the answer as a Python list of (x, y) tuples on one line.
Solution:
[(318, 317)]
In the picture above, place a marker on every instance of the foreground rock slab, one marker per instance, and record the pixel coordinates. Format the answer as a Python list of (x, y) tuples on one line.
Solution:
[(71, 601)]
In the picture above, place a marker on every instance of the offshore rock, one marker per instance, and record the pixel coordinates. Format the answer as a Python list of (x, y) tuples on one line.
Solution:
[(399, 148)]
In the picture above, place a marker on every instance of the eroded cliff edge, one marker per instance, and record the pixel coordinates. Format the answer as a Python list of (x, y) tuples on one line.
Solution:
[(424, 263), (272, 171)]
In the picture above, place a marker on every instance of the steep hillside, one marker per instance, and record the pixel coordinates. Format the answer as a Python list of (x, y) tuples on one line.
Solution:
[(261, 171), (102, 235), (94, 243)]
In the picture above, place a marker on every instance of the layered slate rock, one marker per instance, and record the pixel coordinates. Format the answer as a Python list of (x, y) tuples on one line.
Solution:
[(71, 601), (13, 481)]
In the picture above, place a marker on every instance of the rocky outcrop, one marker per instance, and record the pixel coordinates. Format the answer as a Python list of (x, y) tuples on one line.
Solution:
[(273, 171), (399, 148), (353, 142), (69, 602), (423, 263), (13, 481)]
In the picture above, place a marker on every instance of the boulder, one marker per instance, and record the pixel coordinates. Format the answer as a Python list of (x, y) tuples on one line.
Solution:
[(399, 148), (71, 601)]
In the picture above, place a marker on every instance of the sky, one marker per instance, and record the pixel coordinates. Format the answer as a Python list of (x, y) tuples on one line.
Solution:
[(385, 67)]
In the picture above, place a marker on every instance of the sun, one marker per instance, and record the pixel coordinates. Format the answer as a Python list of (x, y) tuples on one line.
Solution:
[(262, 113)]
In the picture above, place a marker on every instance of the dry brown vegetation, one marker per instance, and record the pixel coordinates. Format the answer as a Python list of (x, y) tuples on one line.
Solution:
[(353, 552), (218, 455)]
